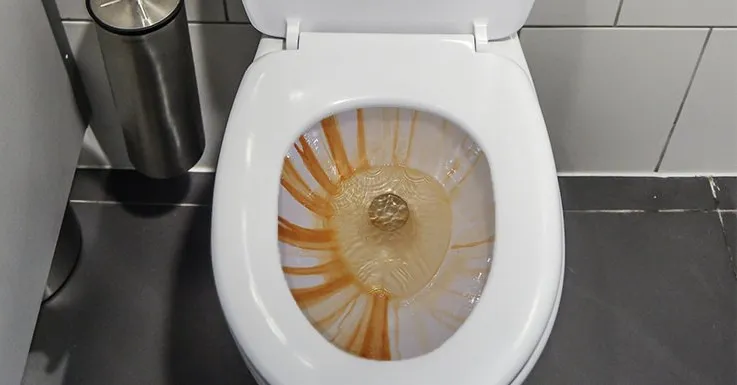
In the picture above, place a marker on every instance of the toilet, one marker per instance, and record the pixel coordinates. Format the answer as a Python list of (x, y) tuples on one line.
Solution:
[(386, 206)]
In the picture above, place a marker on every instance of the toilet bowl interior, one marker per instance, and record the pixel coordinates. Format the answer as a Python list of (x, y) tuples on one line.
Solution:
[(386, 229)]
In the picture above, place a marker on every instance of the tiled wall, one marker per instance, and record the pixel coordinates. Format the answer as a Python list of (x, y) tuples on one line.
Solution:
[(626, 86)]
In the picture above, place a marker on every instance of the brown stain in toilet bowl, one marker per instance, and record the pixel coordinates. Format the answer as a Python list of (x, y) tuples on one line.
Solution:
[(365, 293)]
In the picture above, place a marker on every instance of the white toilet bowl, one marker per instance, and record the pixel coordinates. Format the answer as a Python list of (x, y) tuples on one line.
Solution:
[(305, 298)]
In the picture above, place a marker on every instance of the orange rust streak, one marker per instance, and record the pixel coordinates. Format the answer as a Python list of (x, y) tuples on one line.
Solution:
[(412, 126), (309, 239), (337, 148), (490, 239), (362, 323), (301, 192), (309, 296), (453, 169), (395, 159), (332, 266), (326, 322), (313, 166), (376, 339), (363, 162), (340, 323)]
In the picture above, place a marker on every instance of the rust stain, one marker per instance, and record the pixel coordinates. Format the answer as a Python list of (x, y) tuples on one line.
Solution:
[(313, 165), (301, 192), (347, 313), (472, 244), (454, 164), (360, 320), (352, 344), (413, 125), (304, 238), (343, 310), (363, 162), (395, 139), (327, 268), (337, 149), (308, 296), (375, 344)]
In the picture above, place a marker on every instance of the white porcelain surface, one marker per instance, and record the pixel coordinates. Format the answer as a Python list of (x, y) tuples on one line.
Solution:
[(504, 17), (221, 55), (679, 12), (281, 95), (573, 12), (705, 138), (610, 95)]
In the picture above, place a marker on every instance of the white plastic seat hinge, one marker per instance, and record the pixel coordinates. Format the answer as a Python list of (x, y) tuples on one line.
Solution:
[(481, 36), (292, 35)]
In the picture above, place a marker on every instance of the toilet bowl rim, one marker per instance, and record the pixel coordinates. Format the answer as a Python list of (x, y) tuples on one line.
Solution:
[(546, 198)]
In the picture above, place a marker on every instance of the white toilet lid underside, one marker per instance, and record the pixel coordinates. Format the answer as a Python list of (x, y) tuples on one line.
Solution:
[(503, 17), (284, 93)]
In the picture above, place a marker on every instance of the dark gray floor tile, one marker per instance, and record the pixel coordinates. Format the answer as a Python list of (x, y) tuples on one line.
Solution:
[(730, 236), (140, 308), (648, 298), (726, 191), (635, 193), (132, 187)]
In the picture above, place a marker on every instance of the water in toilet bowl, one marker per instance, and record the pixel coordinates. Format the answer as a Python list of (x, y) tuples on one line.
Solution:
[(386, 229)]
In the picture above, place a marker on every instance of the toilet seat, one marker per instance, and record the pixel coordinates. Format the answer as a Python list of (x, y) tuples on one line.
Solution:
[(487, 94)]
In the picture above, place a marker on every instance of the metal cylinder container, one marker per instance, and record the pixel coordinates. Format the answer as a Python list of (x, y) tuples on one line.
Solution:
[(148, 58)]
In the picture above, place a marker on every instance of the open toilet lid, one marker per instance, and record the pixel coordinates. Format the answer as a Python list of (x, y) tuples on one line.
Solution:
[(503, 17)]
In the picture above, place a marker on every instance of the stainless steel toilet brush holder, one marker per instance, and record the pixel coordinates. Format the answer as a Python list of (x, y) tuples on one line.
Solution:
[(148, 58)]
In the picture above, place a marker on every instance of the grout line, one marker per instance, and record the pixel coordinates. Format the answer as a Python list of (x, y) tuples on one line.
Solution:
[(730, 253), (225, 9), (619, 12), (557, 26), (560, 174), (103, 167), (611, 27), (683, 102), (648, 174), (639, 211), (212, 22), (189, 22), (116, 203), (194, 170), (75, 19), (606, 211)]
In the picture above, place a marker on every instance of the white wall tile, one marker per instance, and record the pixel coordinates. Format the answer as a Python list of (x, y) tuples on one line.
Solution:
[(236, 11), (679, 12), (221, 52), (197, 10), (705, 138), (573, 12), (609, 96), (72, 9), (205, 10)]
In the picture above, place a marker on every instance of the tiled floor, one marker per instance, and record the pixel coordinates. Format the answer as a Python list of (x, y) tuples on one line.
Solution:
[(650, 295)]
